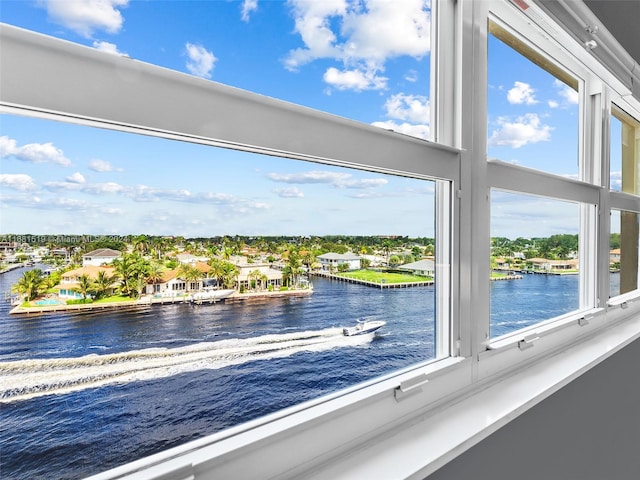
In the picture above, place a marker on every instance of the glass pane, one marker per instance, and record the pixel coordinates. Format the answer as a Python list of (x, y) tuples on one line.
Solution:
[(615, 157), (223, 280), (625, 153), (532, 107), (368, 61), (623, 252), (534, 260)]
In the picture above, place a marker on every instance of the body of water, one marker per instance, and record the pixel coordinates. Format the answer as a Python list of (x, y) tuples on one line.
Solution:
[(84, 393)]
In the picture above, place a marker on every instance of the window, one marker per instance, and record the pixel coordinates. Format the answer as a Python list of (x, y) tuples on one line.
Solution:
[(537, 233), (534, 260), (332, 57), (264, 187), (533, 107), (624, 177), (623, 252), (625, 153), (234, 179)]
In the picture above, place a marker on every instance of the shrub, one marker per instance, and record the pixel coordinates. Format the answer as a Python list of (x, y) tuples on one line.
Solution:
[(79, 301)]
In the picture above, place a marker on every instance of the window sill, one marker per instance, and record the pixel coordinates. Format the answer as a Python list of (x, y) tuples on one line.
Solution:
[(428, 442)]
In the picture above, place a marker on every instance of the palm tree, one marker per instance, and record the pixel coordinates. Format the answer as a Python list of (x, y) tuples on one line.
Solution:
[(155, 273), (217, 269), (230, 275), (386, 248), (131, 267), (256, 277), (262, 280), (294, 264), (30, 284), (141, 244), (84, 285), (308, 259), (103, 283), (189, 274)]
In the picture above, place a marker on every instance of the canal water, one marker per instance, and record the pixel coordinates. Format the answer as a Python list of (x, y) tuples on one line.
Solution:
[(84, 393)]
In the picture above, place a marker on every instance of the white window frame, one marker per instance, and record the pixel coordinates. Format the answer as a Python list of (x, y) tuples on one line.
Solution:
[(50, 78), (404, 424), (517, 179), (618, 200)]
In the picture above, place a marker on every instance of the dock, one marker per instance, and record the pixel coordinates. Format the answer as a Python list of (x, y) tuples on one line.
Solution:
[(381, 285), (86, 308)]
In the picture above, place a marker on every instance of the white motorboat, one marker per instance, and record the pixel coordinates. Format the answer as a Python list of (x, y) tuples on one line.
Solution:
[(363, 327), (210, 296)]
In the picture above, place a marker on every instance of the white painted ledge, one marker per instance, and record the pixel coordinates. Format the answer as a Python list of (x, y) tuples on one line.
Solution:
[(429, 442)]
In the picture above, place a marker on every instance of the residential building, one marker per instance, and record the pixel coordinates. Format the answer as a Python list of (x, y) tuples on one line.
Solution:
[(100, 256), (332, 261), (425, 267), (263, 274), (69, 283), (172, 283)]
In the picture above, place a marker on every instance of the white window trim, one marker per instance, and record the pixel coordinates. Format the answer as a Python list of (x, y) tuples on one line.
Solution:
[(449, 404)]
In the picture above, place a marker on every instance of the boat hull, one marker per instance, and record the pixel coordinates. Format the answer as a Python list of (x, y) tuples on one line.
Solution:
[(363, 328), (211, 296)]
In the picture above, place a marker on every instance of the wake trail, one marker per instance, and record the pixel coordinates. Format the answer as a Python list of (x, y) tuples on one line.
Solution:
[(26, 379)]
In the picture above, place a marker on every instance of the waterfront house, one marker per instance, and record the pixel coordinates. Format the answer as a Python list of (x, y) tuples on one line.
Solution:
[(8, 248), (68, 286), (614, 255), (101, 256), (425, 268), (261, 273), (331, 261), (171, 284), (559, 265)]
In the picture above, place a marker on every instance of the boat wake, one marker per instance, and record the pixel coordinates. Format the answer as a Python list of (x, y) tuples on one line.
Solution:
[(26, 379)]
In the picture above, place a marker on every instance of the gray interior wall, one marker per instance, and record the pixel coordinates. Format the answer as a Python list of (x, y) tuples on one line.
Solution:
[(588, 430)]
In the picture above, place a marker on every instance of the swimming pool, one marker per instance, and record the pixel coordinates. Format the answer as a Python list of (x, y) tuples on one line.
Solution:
[(49, 301)]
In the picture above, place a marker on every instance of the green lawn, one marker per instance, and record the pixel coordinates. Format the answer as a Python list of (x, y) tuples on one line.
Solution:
[(115, 298), (378, 277)]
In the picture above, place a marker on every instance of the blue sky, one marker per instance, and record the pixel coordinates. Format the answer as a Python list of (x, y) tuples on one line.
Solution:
[(367, 60)]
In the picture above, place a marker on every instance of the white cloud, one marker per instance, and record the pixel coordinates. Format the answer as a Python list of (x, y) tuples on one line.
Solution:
[(17, 181), (418, 131), (382, 29), (292, 192), (98, 165), (315, 176), (521, 93), (357, 80), (568, 95), (414, 108), (526, 129), (76, 178), (616, 181), (248, 6), (553, 104), (108, 48), (337, 179), (312, 22), (33, 152), (101, 188), (91, 188), (201, 61), (367, 34), (411, 76), (85, 16)]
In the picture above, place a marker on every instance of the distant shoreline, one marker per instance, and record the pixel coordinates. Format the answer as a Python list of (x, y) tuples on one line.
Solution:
[(148, 301)]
